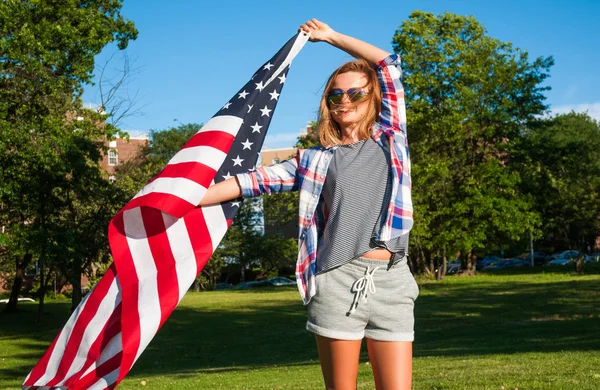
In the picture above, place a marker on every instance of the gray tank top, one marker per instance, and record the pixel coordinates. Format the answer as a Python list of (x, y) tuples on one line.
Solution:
[(356, 193)]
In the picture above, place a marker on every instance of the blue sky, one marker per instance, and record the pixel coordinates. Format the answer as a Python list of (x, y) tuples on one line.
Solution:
[(194, 55)]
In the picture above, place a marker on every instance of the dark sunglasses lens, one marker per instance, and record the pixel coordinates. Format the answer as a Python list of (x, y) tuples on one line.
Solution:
[(356, 95), (335, 96)]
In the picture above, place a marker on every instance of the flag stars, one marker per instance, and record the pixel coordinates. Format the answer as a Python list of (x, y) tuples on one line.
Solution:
[(226, 106), (250, 107), (281, 79), (256, 128), (247, 144), (274, 95), (268, 66), (237, 161), (260, 86), (227, 176), (242, 95), (235, 204), (265, 111)]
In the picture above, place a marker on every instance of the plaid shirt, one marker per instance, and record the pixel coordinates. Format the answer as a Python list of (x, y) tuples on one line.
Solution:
[(307, 170)]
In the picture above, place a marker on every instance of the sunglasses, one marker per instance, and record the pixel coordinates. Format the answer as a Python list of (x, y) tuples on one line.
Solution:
[(355, 95)]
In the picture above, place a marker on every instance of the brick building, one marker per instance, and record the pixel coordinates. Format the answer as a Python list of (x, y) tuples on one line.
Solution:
[(121, 150)]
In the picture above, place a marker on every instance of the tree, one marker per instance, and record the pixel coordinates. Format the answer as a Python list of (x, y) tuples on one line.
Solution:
[(561, 167), (468, 98), (113, 91), (279, 252), (46, 55), (311, 138), (48, 51)]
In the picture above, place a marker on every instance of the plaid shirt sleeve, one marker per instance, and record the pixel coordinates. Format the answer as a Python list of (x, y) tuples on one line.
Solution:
[(393, 113), (280, 177)]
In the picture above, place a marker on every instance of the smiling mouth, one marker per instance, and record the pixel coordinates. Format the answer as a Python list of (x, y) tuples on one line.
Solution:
[(344, 111)]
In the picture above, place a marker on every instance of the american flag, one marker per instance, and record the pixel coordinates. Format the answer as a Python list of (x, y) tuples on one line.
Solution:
[(161, 240)]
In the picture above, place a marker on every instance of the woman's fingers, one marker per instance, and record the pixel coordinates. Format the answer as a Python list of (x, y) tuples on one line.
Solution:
[(317, 29)]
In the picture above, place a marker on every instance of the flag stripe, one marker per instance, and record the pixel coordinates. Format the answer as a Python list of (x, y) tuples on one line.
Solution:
[(112, 348), (66, 340), (84, 335), (143, 264), (227, 123), (168, 203), (218, 224), (101, 373), (183, 250), (196, 172), (202, 154), (98, 349), (193, 192), (166, 274), (108, 381), (217, 139), (119, 245)]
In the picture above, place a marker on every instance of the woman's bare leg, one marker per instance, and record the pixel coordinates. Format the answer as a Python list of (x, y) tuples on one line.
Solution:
[(391, 362), (339, 362)]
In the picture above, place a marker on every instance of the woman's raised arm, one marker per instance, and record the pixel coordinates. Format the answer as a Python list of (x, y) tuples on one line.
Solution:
[(321, 32)]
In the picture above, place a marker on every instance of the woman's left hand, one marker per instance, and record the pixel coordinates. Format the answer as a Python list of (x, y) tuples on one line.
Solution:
[(319, 31)]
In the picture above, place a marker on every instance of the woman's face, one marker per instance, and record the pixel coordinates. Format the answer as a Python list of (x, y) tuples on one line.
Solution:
[(347, 113)]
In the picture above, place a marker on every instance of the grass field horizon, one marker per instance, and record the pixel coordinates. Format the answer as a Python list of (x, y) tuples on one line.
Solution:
[(526, 329)]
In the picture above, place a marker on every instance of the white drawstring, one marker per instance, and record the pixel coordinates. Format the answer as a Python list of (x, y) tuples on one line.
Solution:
[(363, 286)]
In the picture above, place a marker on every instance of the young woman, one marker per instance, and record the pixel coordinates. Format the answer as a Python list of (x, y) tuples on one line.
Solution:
[(355, 215)]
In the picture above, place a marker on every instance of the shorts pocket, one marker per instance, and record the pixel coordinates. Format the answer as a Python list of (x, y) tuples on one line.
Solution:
[(415, 287), (412, 288)]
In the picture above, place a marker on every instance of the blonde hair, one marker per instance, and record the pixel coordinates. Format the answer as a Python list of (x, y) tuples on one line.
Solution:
[(329, 130)]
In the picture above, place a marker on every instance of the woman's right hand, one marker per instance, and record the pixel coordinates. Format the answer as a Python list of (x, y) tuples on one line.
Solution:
[(319, 31)]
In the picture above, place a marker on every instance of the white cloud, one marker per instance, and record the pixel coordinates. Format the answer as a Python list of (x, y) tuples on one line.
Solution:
[(592, 109)]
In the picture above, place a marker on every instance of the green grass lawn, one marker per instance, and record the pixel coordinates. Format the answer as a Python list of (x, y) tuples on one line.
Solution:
[(525, 329)]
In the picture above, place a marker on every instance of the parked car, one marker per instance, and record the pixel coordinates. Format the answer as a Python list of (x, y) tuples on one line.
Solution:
[(281, 281), (253, 284), (495, 265), (559, 262), (571, 255), (18, 299), (516, 262), (452, 267), (539, 258), (487, 260), (506, 263), (593, 258)]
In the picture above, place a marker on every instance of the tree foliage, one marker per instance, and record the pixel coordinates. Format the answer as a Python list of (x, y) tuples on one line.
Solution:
[(468, 98), (51, 182), (560, 162)]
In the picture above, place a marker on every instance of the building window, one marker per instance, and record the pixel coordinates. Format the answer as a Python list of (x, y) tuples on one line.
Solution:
[(113, 157)]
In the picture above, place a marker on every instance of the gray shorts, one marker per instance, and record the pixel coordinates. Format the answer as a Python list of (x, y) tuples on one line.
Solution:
[(363, 298)]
